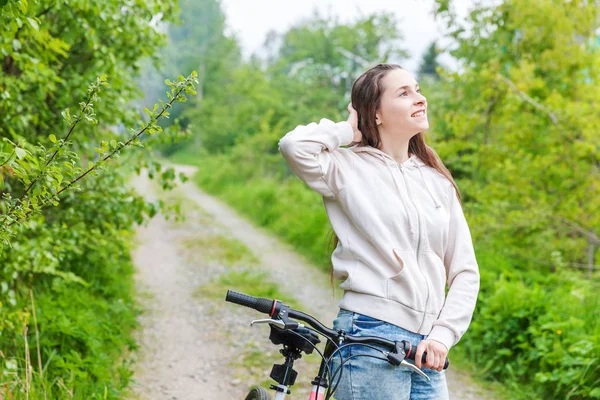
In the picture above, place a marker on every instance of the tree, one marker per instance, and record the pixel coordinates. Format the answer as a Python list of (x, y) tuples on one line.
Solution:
[(196, 41), (518, 128), (521, 126), (429, 64), (322, 52)]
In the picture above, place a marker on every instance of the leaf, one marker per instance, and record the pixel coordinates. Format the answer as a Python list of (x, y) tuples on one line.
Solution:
[(52, 138), (66, 115), (21, 154), (33, 23)]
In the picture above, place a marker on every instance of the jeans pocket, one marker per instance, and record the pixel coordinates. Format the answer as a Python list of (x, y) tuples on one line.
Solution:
[(343, 321), (365, 322)]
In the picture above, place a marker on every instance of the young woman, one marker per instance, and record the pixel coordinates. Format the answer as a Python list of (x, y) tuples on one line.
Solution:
[(401, 233)]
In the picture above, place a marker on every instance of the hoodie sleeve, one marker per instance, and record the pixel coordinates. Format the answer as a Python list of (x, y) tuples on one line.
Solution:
[(463, 279), (309, 151)]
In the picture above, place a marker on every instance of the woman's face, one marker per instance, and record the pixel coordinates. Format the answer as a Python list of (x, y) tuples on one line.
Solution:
[(403, 109)]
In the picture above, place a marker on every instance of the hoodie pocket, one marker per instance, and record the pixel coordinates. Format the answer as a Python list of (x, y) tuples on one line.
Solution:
[(436, 272), (405, 286)]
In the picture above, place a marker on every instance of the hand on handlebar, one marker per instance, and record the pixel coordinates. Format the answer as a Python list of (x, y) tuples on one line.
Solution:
[(283, 316), (436, 354)]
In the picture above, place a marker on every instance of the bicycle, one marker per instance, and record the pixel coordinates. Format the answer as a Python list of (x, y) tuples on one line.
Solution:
[(297, 338)]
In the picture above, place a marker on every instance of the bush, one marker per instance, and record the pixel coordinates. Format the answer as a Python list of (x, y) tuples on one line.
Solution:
[(542, 333)]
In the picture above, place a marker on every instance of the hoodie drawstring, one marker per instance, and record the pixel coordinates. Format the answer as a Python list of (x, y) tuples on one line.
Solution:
[(410, 222), (437, 205), (386, 159)]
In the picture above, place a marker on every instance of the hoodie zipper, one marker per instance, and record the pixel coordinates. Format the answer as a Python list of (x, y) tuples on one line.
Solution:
[(401, 168)]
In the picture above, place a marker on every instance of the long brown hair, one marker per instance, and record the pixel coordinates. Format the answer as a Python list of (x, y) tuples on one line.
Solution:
[(366, 100)]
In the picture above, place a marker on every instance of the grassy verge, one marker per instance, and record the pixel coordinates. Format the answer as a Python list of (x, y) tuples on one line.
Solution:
[(85, 336)]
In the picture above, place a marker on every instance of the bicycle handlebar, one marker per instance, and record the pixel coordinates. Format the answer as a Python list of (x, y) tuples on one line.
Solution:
[(259, 304), (270, 306)]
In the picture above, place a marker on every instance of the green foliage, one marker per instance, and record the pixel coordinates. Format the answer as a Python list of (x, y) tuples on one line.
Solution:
[(517, 128), (66, 217), (53, 50), (41, 172), (543, 332), (82, 280), (257, 99), (519, 124), (200, 25), (250, 280), (429, 64)]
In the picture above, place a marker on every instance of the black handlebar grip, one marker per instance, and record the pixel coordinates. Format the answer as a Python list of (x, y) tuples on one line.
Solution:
[(257, 303), (424, 360), (411, 352)]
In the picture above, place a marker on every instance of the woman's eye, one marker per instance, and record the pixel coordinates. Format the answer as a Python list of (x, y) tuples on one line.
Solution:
[(403, 93)]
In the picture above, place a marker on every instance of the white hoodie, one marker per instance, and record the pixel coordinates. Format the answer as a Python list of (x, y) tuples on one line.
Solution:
[(402, 232)]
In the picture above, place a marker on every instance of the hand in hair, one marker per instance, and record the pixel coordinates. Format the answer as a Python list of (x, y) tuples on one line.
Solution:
[(353, 121)]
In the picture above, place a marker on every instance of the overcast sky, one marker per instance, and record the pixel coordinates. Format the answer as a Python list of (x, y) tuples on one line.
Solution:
[(252, 19)]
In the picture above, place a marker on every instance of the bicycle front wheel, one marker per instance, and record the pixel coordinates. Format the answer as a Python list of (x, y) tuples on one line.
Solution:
[(258, 393)]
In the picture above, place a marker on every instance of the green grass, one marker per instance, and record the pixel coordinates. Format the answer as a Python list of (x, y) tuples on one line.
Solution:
[(187, 155), (460, 362), (222, 249), (249, 280), (179, 207)]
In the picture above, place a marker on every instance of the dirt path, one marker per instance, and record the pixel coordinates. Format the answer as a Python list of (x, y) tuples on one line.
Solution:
[(193, 344)]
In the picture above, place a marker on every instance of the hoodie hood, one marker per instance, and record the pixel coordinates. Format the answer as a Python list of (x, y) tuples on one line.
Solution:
[(413, 160)]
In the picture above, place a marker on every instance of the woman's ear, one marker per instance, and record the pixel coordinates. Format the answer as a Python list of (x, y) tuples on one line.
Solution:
[(377, 119)]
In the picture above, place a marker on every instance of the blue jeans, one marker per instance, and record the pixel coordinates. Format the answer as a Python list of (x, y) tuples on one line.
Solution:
[(372, 379)]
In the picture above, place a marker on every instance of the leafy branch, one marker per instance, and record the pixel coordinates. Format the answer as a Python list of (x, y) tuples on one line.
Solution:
[(528, 99), (35, 197), (87, 112)]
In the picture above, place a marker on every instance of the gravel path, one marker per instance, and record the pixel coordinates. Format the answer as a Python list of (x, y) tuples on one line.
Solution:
[(191, 345)]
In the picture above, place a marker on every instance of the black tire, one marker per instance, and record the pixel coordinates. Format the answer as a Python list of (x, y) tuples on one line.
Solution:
[(258, 393)]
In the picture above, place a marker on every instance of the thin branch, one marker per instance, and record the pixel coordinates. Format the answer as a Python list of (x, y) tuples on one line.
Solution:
[(33, 181), (71, 130), (74, 181), (582, 266), (8, 159), (591, 236), (351, 56), (529, 99)]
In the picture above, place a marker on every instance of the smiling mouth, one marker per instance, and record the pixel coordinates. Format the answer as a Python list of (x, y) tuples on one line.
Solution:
[(419, 113)]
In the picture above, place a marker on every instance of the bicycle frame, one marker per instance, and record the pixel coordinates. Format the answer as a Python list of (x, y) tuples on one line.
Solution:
[(317, 392)]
